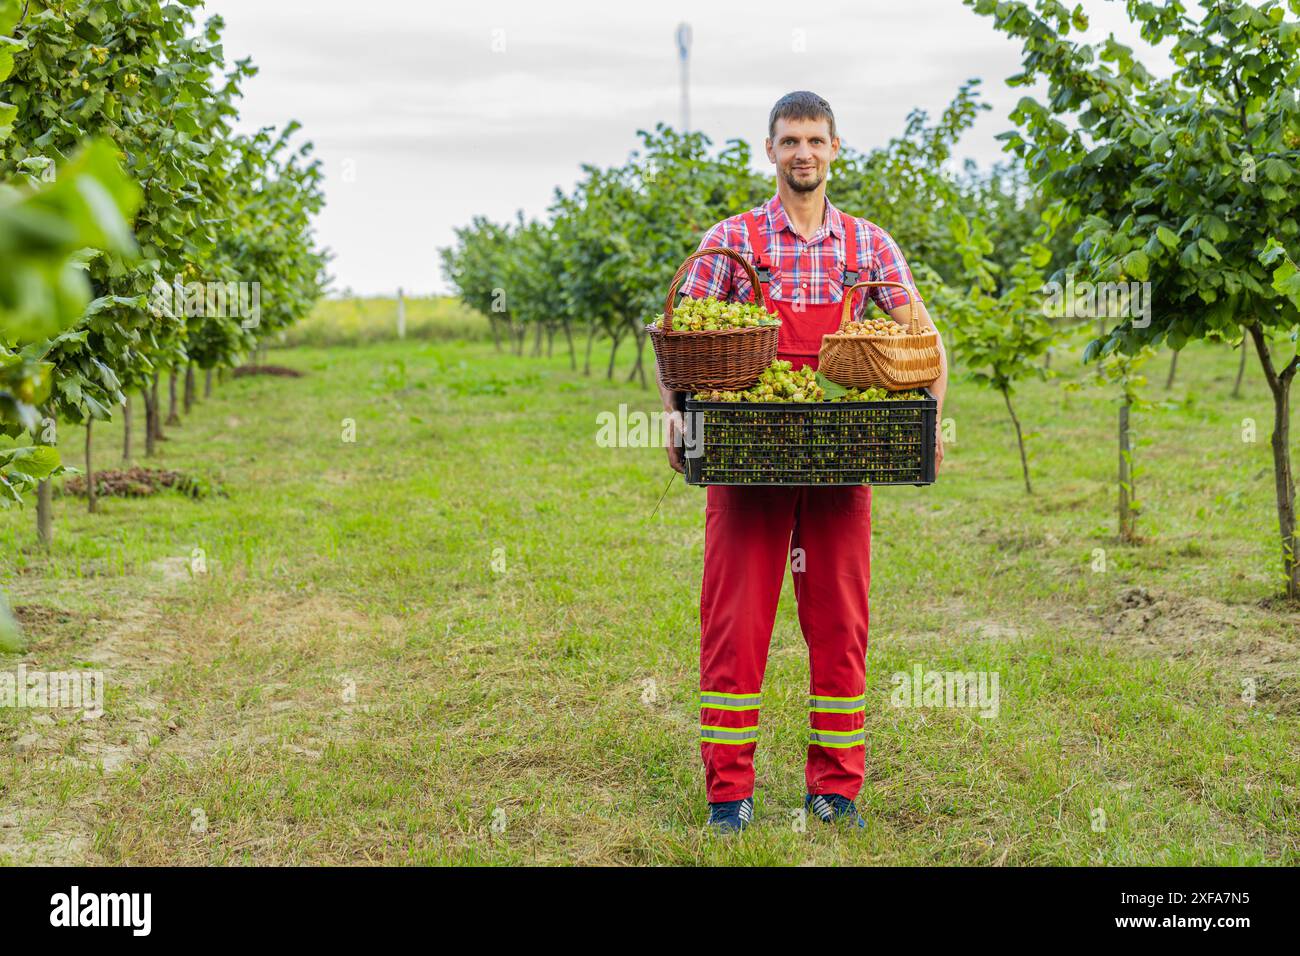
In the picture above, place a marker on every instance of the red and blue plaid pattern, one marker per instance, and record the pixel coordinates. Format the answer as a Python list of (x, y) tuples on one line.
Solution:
[(814, 269)]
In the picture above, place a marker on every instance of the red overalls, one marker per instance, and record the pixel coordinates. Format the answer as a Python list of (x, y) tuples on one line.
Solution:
[(748, 535)]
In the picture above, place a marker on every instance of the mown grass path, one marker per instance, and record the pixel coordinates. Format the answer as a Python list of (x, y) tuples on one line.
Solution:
[(462, 638)]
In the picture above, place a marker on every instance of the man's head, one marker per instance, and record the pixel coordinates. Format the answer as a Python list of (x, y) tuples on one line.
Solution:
[(801, 140)]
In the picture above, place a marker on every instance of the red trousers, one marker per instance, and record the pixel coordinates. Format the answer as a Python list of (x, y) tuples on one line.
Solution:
[(749, 535)]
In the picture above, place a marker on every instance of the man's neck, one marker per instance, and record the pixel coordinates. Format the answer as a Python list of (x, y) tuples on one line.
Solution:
[(806, 211)]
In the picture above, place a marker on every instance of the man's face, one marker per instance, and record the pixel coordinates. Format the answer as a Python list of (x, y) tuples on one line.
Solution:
[(802, 150)]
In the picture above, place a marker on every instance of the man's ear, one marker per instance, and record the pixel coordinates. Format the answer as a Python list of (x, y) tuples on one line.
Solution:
[(767, 146)]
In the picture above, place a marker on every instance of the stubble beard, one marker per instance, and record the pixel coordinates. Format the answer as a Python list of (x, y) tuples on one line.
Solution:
[(805, 185)]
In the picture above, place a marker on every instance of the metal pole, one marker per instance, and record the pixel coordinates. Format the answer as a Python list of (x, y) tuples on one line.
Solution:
[(401, 315), (684, 56)]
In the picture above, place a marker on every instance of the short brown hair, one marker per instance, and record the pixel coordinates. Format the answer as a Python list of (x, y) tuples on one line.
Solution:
[(800, 104)]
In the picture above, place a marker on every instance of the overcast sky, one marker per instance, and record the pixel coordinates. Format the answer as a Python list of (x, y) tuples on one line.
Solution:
[(427, 113)]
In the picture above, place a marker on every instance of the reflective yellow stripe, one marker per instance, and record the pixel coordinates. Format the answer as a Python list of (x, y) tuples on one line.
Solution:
[(861, 708), (717, 700), (849, 738), (738, 736)]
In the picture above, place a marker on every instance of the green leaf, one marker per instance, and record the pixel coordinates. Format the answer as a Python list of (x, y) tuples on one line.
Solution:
[(1137, 265), (833, 390), (10, 11), (1167, 236), (1214, 228), (1275, 170)]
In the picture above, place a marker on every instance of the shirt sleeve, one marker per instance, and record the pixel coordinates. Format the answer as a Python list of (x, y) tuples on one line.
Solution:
[(888, 265), (711, 276)]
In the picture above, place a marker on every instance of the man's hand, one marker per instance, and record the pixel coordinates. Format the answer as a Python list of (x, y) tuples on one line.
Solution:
[(675, 431)]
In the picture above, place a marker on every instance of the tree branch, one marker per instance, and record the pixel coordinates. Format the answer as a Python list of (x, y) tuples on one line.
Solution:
[(1266, 360)]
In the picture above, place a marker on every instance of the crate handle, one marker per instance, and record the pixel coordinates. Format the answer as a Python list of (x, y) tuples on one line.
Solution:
[(757, 287), (846, 319)]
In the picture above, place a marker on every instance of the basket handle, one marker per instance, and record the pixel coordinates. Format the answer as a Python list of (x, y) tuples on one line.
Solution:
[(912, 297), (711, 251)]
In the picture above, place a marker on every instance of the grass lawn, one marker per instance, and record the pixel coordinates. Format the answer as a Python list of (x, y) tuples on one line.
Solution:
[(462, 638)]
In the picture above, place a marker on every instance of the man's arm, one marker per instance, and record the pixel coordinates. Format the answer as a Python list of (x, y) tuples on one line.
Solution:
[(890, 266), (903, 315), (708, 276)]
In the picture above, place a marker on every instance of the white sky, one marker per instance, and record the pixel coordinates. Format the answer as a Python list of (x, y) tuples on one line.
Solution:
[(420, 125)]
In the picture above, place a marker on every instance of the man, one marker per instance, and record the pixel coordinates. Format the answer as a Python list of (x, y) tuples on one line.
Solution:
[(806, 254)]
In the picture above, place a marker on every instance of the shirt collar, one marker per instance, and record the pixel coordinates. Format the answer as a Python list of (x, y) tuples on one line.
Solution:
[(778, 220)]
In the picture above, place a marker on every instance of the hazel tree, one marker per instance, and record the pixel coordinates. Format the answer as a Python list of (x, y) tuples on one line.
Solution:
[(1185, 182)]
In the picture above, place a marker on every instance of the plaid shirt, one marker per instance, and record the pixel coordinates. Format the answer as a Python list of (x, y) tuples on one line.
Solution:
[(811, 270)]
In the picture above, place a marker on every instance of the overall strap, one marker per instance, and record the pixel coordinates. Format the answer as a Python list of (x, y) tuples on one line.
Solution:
[(850, 225), (759, 244)]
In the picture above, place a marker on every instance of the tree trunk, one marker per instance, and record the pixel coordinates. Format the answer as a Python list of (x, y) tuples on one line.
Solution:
[(1283, 476), (90, 470), (537, 341), (207, 383), (519, 336), (1020, 440), (496, 331), (1126, 531), (44, 513), (638, 368), (191, 393), (157, 409), (591, 340), (1241, 371), (173, 410), (151, 429), (1173, 367), (550, 339), (126, 428), (573, 357), (149, 448), (613, 351)]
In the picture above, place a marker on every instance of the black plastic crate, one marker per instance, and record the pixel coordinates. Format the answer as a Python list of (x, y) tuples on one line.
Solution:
[(810, 443)]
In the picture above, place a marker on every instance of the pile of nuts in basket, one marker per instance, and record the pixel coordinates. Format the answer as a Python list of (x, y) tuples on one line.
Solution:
[(878, 326)]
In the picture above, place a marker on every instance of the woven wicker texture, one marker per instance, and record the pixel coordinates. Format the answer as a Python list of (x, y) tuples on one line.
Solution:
[(726, 359)]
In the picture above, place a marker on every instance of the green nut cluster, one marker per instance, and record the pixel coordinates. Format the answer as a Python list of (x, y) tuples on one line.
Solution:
[(778, 383), (713, 315), (878, 395)]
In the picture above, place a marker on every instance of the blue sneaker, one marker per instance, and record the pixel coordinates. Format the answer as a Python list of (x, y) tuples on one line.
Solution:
[(731, 816), (831, 807)]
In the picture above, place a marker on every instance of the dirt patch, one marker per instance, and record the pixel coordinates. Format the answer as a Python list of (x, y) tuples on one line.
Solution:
[(65, 760), (1246, 637), (42, 618), (141, 483), (280, 370)]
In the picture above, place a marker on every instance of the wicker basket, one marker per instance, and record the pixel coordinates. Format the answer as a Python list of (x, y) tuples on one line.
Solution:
[(881, 361), (724, 359)]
